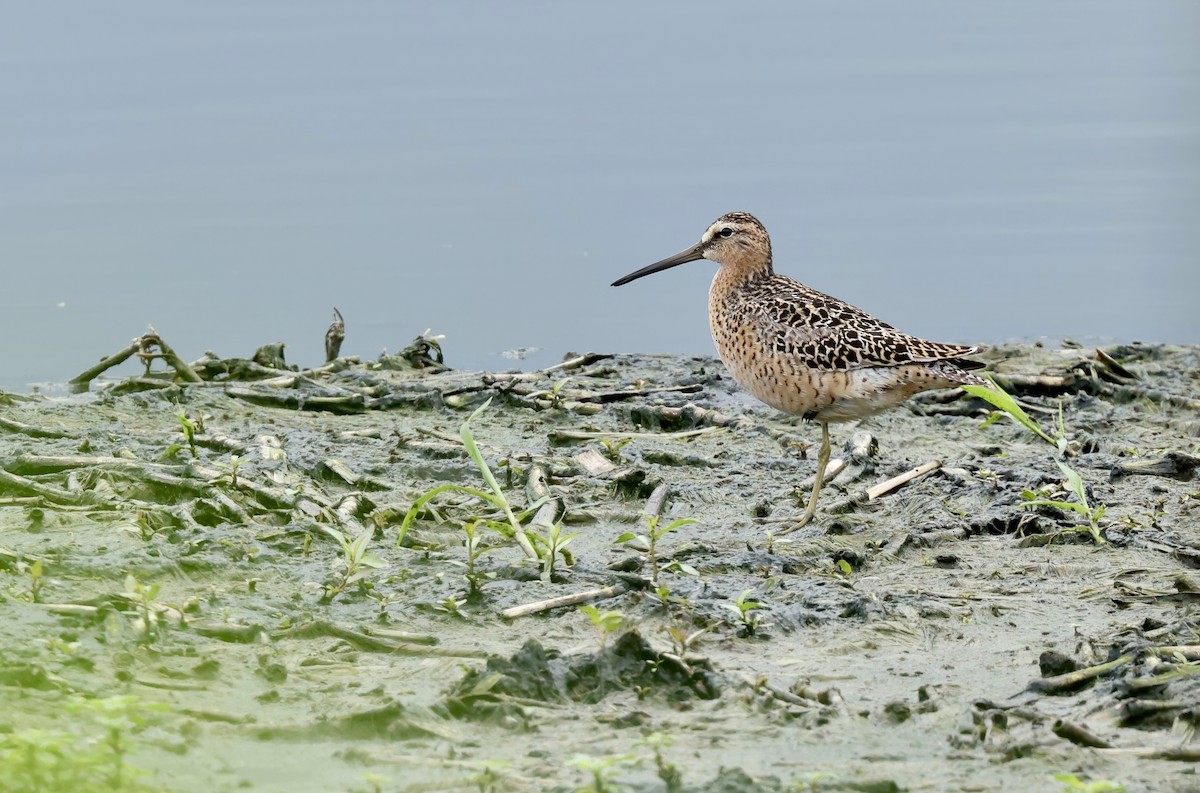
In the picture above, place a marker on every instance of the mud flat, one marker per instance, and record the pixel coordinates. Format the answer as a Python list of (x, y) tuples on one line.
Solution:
[(203, 587)]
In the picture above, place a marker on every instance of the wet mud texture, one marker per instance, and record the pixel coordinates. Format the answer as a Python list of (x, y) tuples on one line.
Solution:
[(249, 603)]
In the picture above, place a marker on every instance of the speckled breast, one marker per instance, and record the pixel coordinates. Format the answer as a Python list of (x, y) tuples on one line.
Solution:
[(780, 381)]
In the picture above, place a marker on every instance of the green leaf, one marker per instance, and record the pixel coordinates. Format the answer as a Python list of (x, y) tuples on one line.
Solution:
[(1065, 505), (1074, 483), (998, 397)]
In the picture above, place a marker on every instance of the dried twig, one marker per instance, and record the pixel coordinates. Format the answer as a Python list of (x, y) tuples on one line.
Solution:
[(565, 600), (887, 486)]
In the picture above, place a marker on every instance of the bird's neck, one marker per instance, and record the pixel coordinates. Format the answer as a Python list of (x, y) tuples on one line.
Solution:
[(738, 274)]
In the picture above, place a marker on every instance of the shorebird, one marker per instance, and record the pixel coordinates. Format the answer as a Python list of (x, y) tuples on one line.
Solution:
[(804, 352)]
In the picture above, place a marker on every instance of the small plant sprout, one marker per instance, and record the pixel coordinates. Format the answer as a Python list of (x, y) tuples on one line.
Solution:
[(648, 543), (1073, 784), (553, 544), (668, 772), (451, 605), (142, 596), (495, 497), (682, 638), (188, 428), (605, 622), (1080, 505), (491, 779), (37, 579), (612, 448), (600, 768), (119, 718), (475, 549), (235, 462), (353, 566), (997, 397), (744, 607), (556, 391)]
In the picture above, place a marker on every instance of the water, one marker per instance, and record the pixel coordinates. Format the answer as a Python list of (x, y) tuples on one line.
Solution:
[(230, 172)]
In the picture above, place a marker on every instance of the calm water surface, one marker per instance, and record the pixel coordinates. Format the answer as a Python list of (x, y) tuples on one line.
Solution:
[(230, 172)]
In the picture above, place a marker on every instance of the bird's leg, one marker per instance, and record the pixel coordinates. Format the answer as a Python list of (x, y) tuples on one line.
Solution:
[(822, 461)]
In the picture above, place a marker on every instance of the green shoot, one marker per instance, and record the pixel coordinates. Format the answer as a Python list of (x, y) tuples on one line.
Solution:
[(235, 462), (1081, 506), (682, 639), (188, 428), (612, 448), (553, 544), (495, 498), (745, 608), (475, 549), (1073, 784), (649, 541), (999, 398), (599, 768), (668, 772), (353, 566), (36, 580), (605, 622), (142, 596)]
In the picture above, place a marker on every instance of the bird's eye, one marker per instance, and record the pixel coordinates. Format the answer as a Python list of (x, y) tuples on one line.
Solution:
[(726, 232)]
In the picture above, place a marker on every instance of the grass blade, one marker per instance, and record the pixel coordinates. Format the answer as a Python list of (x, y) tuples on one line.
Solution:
[(1002, 400)]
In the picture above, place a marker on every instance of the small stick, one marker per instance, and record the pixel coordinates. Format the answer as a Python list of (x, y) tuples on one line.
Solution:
[(564, 600), (355, 403), (584, 435), (30, 430), (1078, 735), (784, 695), (402, 636), (220, 442), (617, 396), (79, 382), (699, 415), (334, 336), (654, 504), (1189, 651), (369, 643), (1040, 384), (538, 490), (57, 495), (574, 363), (1065, 682), (1113, 365), (1130, 392), (441, 436), (883, 488), (593, 462), (340, 470), (20, 501), (71, 609), (180, 366)]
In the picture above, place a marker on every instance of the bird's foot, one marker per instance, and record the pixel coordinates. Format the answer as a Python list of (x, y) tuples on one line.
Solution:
[(792, 526)]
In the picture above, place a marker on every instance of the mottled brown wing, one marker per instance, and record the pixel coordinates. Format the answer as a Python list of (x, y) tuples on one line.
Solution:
[(830, 334)]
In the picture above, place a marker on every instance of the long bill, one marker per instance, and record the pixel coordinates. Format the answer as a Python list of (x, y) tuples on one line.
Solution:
[(683, 257)]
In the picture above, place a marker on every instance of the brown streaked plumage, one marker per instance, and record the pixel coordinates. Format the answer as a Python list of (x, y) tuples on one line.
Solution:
[(802, 351)]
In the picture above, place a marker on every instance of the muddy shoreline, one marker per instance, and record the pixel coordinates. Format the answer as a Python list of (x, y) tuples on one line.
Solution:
[(209, 590)]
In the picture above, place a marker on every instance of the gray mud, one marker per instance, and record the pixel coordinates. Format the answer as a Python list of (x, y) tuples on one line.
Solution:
[(910, 642)]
